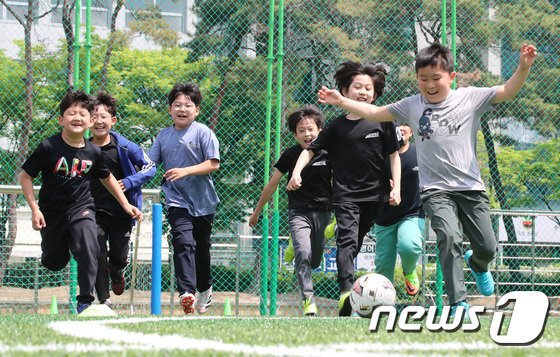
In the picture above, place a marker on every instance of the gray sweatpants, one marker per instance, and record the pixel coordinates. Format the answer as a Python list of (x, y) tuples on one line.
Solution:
[(308, 237), (445, 210)]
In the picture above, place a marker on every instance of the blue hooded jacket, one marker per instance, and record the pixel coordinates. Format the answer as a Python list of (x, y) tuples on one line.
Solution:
[(136, 167)]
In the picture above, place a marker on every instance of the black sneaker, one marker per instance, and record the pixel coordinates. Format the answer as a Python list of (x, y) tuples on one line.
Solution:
[(117, 283)]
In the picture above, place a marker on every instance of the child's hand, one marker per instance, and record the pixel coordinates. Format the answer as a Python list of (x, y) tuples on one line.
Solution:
[(295, 183), (134, 212), (527, 56), (121, 185), (395, 198), (38, 220), (329, 96), (253, 220), (175, 173)]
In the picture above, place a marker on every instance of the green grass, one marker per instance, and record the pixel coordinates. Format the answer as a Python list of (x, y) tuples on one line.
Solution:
[(31, 335)]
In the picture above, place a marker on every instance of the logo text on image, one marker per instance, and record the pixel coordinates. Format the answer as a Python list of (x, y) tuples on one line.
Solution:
[(526, 324)]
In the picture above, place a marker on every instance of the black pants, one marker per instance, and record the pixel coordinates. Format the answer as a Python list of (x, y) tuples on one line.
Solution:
[(73, 232), (115, 231), (191, 250), (354, 220)]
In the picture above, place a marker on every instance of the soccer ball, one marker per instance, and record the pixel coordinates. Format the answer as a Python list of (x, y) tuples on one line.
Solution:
[(369, 291)]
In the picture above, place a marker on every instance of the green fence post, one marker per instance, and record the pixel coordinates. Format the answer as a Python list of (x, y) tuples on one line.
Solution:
[(276, 214), (264, 241)]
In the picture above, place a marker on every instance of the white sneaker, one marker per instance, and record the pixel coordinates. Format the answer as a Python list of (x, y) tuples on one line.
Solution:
[(203, 301)]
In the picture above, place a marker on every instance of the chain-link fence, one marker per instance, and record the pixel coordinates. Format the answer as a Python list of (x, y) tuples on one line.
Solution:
[(138, 49)]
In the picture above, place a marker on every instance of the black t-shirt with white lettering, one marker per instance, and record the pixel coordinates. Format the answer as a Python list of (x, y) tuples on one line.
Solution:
[(104, 200), (315, 191), (357, 151), (65, 173)]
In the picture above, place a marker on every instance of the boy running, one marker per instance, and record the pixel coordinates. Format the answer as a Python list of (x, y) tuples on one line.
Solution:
[(309, 207), (65, 214), (452, 189), (130, 165)]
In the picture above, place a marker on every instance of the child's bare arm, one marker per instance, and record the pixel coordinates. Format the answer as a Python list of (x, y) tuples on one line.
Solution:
[(395, 195), (510, 89), (37, 218), (303, 160), (113, 187), (364, 110), (203, 168), (266, 194)]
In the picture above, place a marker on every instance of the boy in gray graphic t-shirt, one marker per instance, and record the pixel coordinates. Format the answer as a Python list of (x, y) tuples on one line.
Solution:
[(445, 123)]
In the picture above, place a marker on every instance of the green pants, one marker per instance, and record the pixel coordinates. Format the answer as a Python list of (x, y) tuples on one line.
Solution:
[(403, 238)]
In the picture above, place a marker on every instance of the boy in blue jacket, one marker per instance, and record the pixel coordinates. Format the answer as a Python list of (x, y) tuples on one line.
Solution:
[(132, 167)]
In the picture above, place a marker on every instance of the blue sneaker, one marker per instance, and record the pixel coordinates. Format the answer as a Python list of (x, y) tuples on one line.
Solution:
[(484, 280), (81, 307), (464, 305)]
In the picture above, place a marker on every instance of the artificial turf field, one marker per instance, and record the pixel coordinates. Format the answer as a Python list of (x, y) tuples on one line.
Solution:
[(27, 334)]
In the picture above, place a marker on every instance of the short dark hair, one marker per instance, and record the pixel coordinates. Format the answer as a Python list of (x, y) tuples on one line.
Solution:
[(309, 112), (76, 97), (434, 55), (348, 70), (189, 89), (108, 101)]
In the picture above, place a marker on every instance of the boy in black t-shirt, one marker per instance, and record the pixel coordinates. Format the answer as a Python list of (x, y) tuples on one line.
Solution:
[(132, 167), (309, 208), (357, 150), (65, 214)]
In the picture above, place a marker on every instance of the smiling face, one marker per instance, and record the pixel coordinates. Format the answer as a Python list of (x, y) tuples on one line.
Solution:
[(361, 89), (75, 120), (434, 83), (306, 132), (103, 121), (183, 111)]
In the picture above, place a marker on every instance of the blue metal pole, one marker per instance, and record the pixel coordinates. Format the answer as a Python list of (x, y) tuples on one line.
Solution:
[(156, 259)]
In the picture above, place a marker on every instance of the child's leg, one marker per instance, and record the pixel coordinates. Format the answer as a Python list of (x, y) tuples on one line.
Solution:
[(55, 243), (301, 224), (368, 212), (442, 211), (409, 243), (84, 247), (347, 217), (119, 244), (183, 249), (474, 214), (320, 222), (386, 250), (102, 280), (202, 232)]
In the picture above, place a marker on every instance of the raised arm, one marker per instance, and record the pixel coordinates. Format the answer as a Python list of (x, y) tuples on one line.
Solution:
[(303, 160), (510, 89), (364, 110), (266, 194)]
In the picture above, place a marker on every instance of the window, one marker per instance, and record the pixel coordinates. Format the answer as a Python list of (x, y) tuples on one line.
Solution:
[(17, 6), (100, 12), (172, 11)]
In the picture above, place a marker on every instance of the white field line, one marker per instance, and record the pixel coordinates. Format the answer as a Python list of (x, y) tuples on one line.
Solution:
[(122, 340)]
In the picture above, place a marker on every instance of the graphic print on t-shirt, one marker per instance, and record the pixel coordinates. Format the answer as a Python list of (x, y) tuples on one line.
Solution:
[(439, 122), (79, 167)]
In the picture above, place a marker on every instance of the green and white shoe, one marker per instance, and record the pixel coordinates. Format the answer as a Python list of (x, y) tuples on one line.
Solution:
[(344, 307), (309, 307)]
